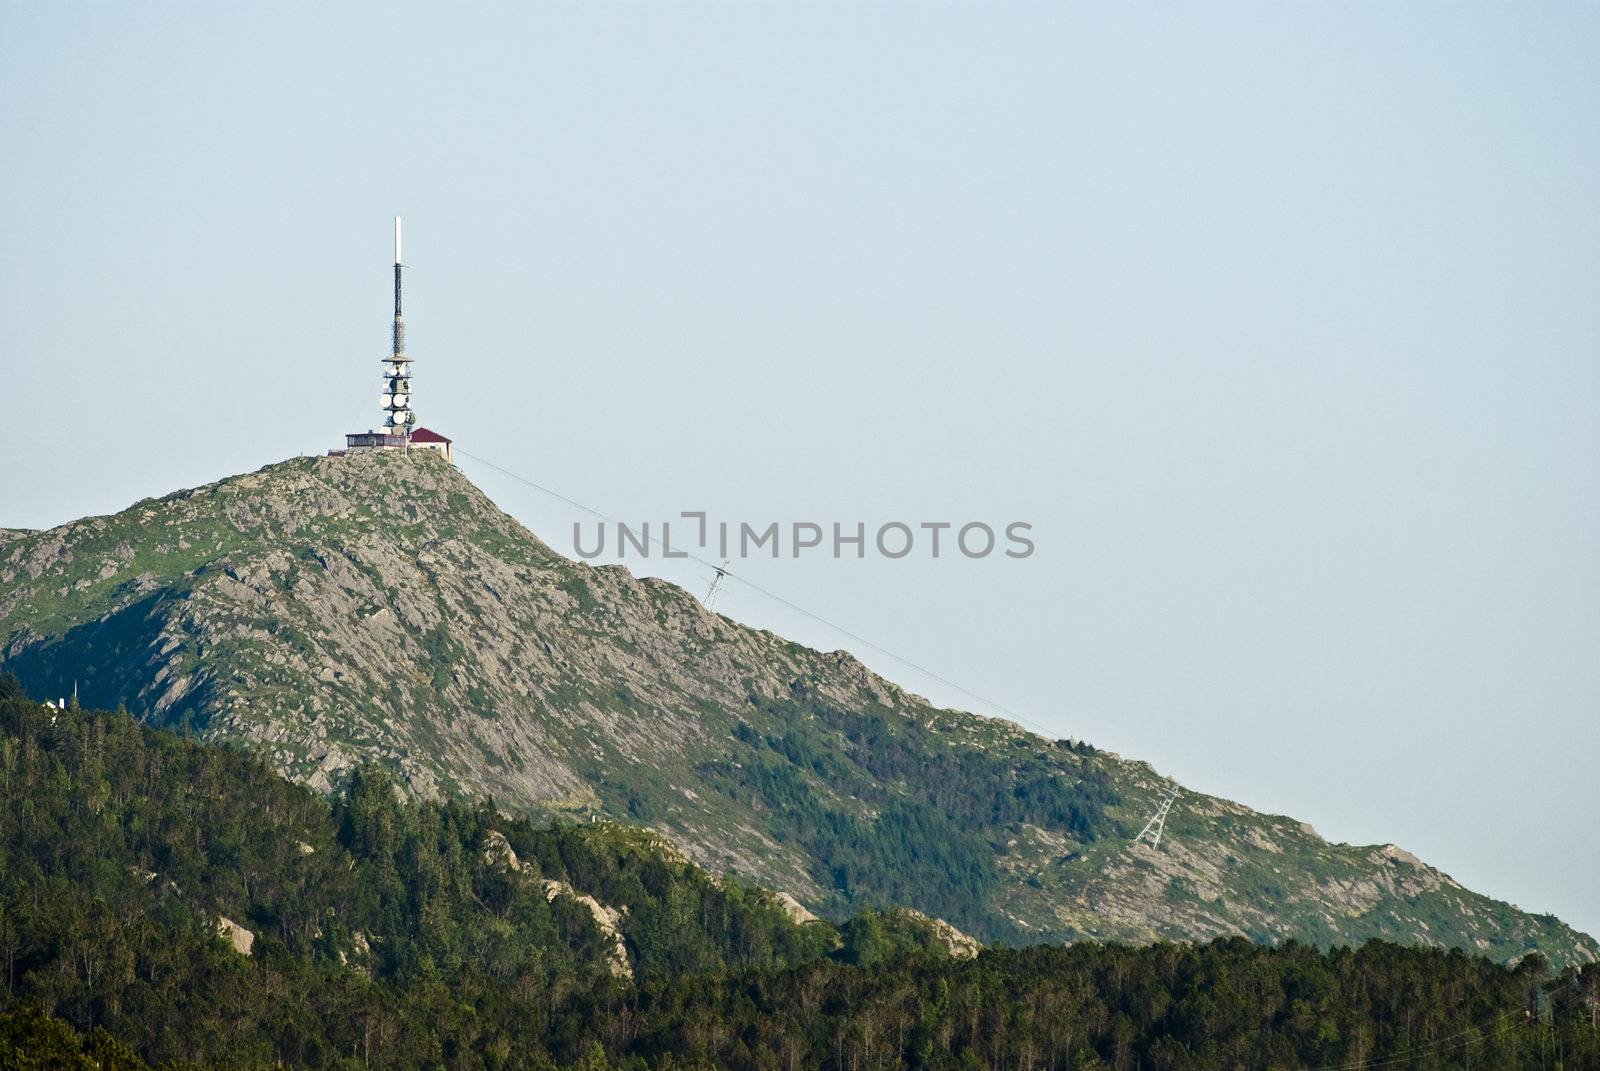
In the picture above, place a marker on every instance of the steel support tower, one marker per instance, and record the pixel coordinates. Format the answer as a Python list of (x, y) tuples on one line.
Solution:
[(396, 399)]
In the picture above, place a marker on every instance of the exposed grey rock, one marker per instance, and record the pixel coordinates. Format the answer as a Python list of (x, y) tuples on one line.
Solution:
[(334, 611), (236, 935), (607, 919), (794, 908)]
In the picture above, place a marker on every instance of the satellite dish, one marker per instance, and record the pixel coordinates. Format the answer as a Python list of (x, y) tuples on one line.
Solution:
[(400, 399)]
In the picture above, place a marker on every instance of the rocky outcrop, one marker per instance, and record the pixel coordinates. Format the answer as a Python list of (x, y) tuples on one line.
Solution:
[(236, 935), (955, 943), (607, 919), (497, 852), (379, 608), (794, 909)]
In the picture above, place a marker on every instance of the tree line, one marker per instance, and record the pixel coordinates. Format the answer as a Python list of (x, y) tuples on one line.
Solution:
[(396, 933)]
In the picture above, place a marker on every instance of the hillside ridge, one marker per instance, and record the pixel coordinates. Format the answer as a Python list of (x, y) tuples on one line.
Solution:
[(328, 612)]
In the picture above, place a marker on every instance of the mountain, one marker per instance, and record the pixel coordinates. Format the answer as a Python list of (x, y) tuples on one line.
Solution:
[(126, 853), (171, 902), (327, 612)]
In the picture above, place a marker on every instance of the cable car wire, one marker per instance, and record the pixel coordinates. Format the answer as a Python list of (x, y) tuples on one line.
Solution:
[(1005, 711)]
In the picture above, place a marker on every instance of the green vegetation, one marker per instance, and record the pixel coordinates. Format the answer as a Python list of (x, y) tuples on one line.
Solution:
[(395, 934), (121, 848), (443, 652), (378, 609), (887, 813)]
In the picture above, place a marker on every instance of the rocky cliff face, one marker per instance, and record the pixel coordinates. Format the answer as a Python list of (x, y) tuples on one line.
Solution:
[(379, 607)]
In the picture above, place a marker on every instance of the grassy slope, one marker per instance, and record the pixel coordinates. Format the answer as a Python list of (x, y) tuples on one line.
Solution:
[(564, 689)]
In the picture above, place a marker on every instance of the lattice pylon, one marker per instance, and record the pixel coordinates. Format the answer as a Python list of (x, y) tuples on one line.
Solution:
[(1158, 822), (716, 586)]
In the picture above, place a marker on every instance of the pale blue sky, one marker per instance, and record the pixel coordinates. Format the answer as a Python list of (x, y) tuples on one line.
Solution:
[(1276, 320)]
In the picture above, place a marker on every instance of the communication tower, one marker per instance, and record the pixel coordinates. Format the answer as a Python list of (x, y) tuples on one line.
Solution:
[(396, 399)]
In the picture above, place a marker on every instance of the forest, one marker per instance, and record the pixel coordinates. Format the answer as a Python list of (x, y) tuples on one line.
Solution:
[(933, 836), (389, 932)]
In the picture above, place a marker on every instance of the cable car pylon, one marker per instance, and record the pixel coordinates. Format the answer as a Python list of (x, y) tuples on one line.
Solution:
[(716, 584), (1158, 822)]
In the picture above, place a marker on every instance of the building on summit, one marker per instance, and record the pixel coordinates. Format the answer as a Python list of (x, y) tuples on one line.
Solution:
[(399, 431), (423, 439)]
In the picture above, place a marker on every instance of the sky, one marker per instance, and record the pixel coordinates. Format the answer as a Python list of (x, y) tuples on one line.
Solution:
[(1275, 322)]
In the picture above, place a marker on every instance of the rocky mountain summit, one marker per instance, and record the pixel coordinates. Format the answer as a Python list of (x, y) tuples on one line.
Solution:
[(379, 608)]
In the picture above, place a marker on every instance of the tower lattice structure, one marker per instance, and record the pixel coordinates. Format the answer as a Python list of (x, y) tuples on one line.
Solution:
[(1151, 833), (396, 399)]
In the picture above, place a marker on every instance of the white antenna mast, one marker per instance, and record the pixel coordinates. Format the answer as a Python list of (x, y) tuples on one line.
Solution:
[(396, 398)]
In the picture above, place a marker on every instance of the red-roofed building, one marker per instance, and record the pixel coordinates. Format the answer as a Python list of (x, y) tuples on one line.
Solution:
[(395, 401), (423, 439)]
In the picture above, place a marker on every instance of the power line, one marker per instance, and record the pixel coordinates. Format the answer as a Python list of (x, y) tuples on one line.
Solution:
[(716, 586), (1156, 823), (1459, 1039), (775, 597)]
